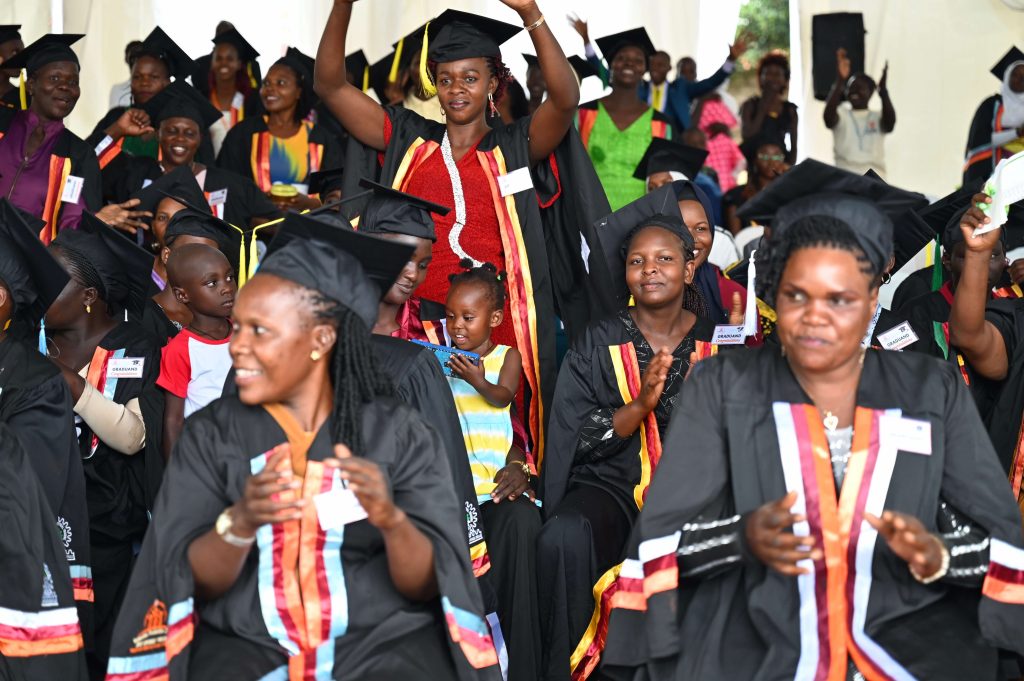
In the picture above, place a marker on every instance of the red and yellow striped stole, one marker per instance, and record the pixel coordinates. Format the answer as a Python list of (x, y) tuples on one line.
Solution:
[(60, 169)]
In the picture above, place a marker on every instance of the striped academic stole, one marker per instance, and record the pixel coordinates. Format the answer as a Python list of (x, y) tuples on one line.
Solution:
[(165, 633), (97, 377), (587, 117), (989, 150), (60, 169), (48, 632), (260, 156), (107, 150), (517, 265), (834, 594)]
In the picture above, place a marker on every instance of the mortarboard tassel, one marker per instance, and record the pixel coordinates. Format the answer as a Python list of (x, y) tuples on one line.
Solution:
[(393, 73), (426, 82), (42, 336), (252, 78), (22, 94), (366, 79), (750, 314)]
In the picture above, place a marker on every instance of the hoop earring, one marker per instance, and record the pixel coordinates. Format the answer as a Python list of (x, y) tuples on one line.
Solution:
[(886, 278), (490, 100), (444, 116)]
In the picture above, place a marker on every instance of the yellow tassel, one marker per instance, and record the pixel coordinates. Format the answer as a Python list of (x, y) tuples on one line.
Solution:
[(22, 94), (7, 324), (393, 73), (425, 80), (252, 78), (366, 79)]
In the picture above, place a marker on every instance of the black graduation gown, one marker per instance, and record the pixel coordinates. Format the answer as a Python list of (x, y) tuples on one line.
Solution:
[(235, 198), (36, 596), (590, 502), (157, 323), (120, 488), (35, 403), (236, 151), (1005, 416), (749, 622), (507, 149), (980, 157), (917, 283), (12, 100), (83, 162), (367, 629)]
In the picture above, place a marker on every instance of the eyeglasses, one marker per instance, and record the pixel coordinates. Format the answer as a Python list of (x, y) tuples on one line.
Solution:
[(771, 157)]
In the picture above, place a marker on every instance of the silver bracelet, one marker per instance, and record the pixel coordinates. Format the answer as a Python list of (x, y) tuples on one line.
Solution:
[(940, 573)]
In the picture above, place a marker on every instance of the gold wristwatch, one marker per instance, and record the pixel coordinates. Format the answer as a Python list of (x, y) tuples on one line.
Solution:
[(223, 528)]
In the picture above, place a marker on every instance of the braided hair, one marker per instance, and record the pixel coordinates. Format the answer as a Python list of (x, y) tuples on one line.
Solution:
[(495, 66), (486, 275), (81, 270), (813, 231), (355, 374)]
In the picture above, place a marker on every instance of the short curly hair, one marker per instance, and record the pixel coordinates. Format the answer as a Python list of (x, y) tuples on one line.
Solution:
[(774, 58)]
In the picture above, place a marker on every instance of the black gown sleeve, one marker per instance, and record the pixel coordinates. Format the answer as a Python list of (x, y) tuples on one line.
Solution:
[(234, 151)]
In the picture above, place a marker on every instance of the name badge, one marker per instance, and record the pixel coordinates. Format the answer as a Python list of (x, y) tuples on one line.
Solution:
[(72, 189), (727, 334), (898, 337), (337, 508), (906, 435), (126, 367), (218, 197), (515, 182)]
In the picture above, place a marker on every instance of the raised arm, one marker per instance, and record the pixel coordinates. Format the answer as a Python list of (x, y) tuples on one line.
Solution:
[(835, 96), (355, 110), (553, 117), (888, 110), (979, 340)]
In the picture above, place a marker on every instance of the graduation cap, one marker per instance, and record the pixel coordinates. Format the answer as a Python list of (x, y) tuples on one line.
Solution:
[(352, 268), (52, 47), (324, 181), (582, 67), (634, 37), (390, 211), (665, 156), (301, 64), (246, 52), (122, 266), (811, 188), (380, 77), (28, 270), (1011, 57), (181, 100), (357, 65), (158, 44), (10, 32), (403, 50), (180, 182), (658, 208), (458, 35), (938, 215)]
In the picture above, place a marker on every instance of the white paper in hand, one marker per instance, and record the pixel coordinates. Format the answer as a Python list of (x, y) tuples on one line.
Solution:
[(337, 508), (1006, 187), (750, 314)]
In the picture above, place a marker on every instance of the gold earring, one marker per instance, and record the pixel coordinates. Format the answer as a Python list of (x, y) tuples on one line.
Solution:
[(7, 324), (88, 309), (315, 355)]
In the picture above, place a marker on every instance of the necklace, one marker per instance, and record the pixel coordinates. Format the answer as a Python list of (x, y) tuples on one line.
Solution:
[(460, 201), (200, 333), (831, 421)]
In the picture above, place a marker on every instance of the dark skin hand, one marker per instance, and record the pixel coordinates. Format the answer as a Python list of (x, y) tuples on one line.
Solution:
[(910, 540), (774, 544), (1017, 271), (121, 216), (628, 418), (364, 118), (512, 481), (979, 340), (131, 123)]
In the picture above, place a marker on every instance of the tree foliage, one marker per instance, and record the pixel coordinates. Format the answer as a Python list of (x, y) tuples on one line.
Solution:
[(766, 22)]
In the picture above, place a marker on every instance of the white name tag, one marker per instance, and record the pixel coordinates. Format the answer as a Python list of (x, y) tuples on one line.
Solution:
[(72, 189), (907, 435), (218, 197), (126, 367), (515, 182), (898, 337), (337, 508), (727, 334)]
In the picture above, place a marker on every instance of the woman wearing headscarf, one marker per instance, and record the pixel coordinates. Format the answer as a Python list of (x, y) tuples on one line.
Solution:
[(836, 508), (997, 130), (281, 149), (618, 387), (313, 473), (110, 365), (486, 176)]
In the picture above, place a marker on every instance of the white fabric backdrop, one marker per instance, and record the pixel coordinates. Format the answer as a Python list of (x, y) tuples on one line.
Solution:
[(939, 53)]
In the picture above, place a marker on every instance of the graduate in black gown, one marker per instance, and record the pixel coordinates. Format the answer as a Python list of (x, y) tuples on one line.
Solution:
[(34, 399), (41, 637), (824, 511), (257, 561), (180, 114), (110, 364), (617, 389), (999, 120), (989, 334), (10, 44)]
